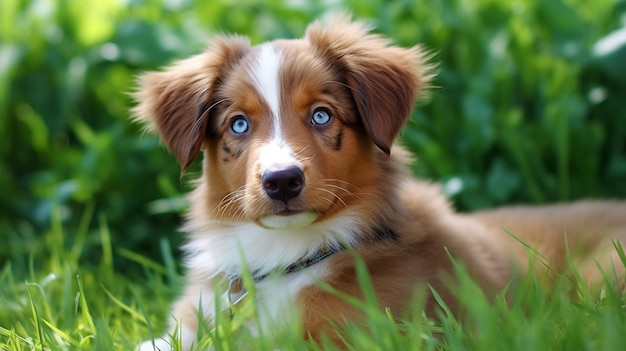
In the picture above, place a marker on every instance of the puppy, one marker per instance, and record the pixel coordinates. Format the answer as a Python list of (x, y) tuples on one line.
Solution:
[(300, 174)]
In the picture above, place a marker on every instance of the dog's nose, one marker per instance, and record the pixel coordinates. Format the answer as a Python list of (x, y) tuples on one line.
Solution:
[(284, 184)]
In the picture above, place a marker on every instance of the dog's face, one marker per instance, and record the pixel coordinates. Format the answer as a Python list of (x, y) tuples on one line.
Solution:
[(277, 133), (291, 129)]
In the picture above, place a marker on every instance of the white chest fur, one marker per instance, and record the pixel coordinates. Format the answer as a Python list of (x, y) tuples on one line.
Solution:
[(276, 296)]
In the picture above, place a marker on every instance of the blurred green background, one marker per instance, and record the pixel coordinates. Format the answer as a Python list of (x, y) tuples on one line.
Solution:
[(529, 105)]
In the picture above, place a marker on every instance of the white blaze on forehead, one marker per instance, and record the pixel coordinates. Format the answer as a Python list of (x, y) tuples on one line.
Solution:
[(265, 77)]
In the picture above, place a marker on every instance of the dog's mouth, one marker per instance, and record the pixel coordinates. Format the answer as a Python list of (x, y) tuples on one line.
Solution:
[(289, 219), (287, 212)]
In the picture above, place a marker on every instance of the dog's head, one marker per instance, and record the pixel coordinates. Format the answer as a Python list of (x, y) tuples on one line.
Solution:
[(292, 130)]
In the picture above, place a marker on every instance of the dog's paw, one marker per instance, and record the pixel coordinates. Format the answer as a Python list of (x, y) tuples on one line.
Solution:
[(159, 344)]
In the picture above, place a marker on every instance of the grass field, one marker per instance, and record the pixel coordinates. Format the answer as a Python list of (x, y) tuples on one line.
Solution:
[(65, 303)]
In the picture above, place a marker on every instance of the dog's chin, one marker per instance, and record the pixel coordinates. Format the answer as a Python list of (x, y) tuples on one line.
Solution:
[(296, 220)]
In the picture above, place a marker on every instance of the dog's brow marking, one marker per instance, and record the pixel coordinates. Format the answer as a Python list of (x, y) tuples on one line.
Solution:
[(338, 140), (265, 77)]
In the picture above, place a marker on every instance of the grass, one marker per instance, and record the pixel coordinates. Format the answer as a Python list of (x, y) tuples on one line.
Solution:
[(57, 300)]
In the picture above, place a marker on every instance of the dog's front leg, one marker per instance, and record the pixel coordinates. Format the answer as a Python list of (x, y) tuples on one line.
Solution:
[(196, 305)]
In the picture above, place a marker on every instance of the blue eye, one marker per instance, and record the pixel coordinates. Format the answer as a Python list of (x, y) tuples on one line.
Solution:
[(239, 125), (320, 116)]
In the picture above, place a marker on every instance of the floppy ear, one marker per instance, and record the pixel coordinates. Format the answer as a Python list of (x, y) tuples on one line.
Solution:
[(384, 79), (173, 102)]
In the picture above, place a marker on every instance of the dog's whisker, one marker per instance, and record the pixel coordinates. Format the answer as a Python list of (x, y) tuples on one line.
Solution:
[(231, 199), (240, 211), (248, 204), (244, 204), (200, 120), (342, 84), (221, 207), (335, 196), (301, 151), (318, 203), (343, 182), (340, 188), (354, 195), (224, 203), (318, 199)]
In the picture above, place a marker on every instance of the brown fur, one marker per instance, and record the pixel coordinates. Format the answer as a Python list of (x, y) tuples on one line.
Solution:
[(368, 86)]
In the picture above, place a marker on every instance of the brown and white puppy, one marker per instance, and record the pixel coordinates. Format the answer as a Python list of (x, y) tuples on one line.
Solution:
[(299, 164)]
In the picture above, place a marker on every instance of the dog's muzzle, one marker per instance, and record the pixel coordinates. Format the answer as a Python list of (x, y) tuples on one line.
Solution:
[(285, 185)]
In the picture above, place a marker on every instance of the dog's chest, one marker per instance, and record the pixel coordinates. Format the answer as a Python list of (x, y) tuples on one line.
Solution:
[(276, 296)]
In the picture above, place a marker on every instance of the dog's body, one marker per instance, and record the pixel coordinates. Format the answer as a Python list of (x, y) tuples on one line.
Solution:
[(300, 172)]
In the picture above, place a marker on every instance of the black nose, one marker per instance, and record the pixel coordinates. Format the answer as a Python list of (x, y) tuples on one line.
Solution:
[(284, 184)]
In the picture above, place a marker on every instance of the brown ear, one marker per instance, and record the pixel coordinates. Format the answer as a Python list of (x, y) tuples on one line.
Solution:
[(171, 102), (384, 79)]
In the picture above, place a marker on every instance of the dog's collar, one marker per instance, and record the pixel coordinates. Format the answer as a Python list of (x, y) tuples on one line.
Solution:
[(323, 253), (236, 290)]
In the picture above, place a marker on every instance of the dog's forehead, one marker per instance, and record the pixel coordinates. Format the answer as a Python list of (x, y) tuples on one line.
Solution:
[(275, 72), (265, 75), (272, 57), (286, 75), (267, 69), (279, 47)]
